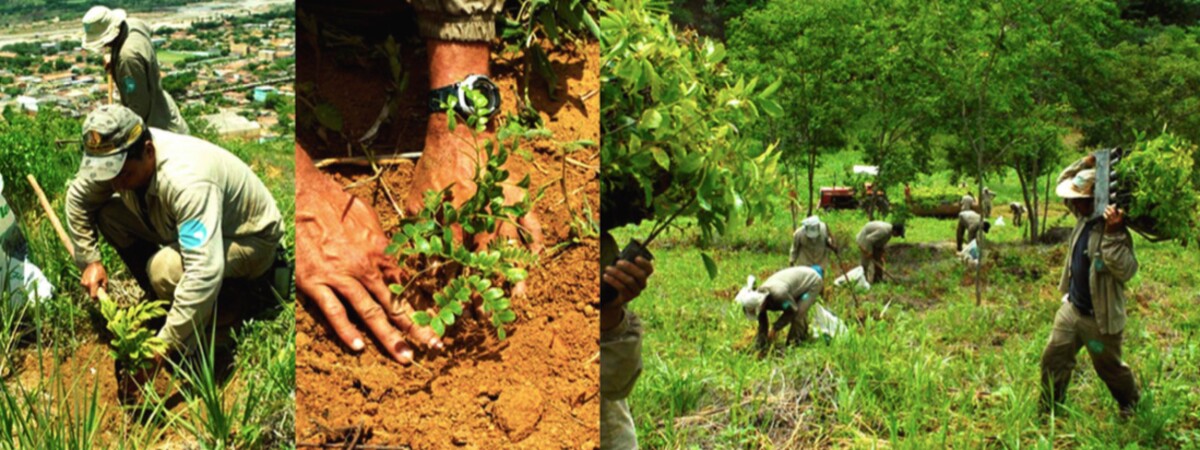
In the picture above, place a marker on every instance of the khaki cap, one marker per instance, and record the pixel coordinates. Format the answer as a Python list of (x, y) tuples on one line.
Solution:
[(108, 132)]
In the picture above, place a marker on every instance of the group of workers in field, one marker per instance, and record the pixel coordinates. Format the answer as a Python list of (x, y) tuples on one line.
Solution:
[(1099, 262)]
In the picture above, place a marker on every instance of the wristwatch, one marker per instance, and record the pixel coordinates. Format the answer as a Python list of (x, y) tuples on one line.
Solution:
[(463, 104)]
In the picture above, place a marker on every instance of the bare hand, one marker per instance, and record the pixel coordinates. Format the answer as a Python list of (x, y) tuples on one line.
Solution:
[(1114, 218), (628, 278), (94, 278), (339, 256), (449, 159)]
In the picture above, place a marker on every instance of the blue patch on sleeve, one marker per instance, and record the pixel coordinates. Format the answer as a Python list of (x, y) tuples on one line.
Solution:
[(192, 234), (130, 85)]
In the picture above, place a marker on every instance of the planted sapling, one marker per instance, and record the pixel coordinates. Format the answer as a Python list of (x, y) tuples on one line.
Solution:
[(426, 241)]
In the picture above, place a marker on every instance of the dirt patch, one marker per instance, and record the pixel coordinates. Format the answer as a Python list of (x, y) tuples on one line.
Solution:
[(538, 388)]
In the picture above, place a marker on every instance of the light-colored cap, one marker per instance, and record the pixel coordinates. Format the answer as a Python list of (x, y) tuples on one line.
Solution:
[(1079, 186), (812, 226), (108, 132), (100, 26), (750, 299)]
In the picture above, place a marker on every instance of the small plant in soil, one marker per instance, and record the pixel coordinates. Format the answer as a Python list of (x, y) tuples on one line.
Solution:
[(426, 243), (133, 346)]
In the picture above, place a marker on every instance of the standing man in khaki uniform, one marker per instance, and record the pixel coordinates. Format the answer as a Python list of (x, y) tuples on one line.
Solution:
[(811, 244), (970, 223), (132, 65), (183, 214), (1098, 263), (985, 204), (872, 240)]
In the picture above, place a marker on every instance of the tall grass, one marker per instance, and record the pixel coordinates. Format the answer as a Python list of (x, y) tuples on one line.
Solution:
[(925, 368)]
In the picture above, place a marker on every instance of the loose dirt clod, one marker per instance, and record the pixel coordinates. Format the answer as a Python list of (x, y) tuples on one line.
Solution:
[(518, 411)]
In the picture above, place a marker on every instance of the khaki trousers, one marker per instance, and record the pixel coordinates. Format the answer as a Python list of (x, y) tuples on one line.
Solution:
[(1073, 330)]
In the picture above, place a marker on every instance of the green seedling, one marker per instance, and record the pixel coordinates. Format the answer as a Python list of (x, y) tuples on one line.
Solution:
[(133, 346), (426, 241)]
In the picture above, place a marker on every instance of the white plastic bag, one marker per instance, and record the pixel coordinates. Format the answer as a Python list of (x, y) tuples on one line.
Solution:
[(970, 254), (826, 323), (856, 275), (20, 278), (999, 221)]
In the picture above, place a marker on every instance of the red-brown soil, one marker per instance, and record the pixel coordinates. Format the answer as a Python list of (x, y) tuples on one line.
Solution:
[(537, 389)]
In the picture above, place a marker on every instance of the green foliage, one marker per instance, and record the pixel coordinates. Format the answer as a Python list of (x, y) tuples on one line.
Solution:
[(672, 120), (427, 240), (930, 195), (528, 22), (1163, 185), (133, 346)]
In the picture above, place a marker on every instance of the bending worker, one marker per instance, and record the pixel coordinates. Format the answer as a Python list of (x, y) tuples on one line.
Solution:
[(970, 223), (793, 291), (186, 217), (872, 241)]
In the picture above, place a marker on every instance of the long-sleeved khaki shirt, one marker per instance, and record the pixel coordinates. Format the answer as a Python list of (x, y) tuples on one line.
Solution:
[(808, 251), (1113, 265), (967, 203), (137, 80), (791, 284), (198, 196), (874, 235)]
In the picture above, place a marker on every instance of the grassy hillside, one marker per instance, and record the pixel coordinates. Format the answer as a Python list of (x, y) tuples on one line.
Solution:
[(925, 367)]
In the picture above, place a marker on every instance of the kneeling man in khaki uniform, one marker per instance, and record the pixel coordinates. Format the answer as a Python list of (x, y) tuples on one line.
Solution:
[(186, 217)]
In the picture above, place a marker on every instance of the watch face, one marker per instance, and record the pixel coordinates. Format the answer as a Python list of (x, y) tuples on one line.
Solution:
[(489, 90)]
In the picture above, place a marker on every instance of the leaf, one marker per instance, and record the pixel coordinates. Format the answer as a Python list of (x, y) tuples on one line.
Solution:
[(709, 265), (396, 288), (446, 316), (660, 156), (651, 119), (329, 117), (492, 294), (438, 326), (770, 107), (506, 316), (421, 318), (515, 274)]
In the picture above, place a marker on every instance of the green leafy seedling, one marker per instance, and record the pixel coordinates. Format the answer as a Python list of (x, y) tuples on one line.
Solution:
[(426, 240), (133, 345)]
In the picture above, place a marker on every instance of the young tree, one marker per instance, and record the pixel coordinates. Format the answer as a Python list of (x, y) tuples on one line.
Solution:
[(807, 46)]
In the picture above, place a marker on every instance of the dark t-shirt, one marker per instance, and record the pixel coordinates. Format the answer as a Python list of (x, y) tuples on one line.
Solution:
[(1081, 291)]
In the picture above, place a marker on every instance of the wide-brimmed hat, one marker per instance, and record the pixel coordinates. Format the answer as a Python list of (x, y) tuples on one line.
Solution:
[(1079, 186), (812, 227), (108, 132), (100, 26)]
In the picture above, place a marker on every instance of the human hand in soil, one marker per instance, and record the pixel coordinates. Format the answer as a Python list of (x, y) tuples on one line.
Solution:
[(450, 159), (339, 256), (94, 278)]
